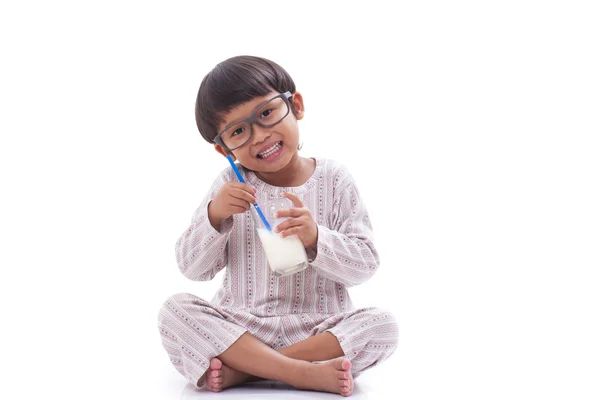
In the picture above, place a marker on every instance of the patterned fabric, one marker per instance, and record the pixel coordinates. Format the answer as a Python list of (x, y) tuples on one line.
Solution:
[(194, 331), (295, 307)]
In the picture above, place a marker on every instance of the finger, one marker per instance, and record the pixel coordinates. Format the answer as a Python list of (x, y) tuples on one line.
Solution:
[(290, 212), (295, 199), (235, 209), (243, 186), (288, 224), (237, 203), (242, 195), (291, 231)]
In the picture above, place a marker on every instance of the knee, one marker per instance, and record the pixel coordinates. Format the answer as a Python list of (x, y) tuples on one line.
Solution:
[(167, 308), (179, 304), (385, 328), (378, 338)]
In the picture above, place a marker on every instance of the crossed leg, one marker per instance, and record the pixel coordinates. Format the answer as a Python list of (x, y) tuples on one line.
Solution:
[(248, 358), (322, 347), (223, 347)]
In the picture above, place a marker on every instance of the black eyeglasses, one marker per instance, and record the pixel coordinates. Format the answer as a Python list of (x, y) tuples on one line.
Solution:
[(268, 114)]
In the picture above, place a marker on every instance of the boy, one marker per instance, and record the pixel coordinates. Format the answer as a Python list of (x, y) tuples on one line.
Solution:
[(259, 325)]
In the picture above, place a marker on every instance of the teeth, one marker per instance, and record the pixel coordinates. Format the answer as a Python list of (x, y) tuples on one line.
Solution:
[(270, 151)]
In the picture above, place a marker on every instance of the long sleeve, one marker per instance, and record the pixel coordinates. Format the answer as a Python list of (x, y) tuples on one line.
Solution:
[(201, 251), (346, 254)]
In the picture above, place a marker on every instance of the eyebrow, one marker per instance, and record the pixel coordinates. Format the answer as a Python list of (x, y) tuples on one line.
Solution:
[(251, 114)]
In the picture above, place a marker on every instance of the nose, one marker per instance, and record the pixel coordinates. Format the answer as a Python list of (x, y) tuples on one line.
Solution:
[(260, 133)]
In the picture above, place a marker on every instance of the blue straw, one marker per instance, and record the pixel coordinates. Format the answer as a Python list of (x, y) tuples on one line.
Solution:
[(255, 205)]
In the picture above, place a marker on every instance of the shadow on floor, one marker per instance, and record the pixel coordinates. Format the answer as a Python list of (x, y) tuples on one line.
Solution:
[(266, 390)]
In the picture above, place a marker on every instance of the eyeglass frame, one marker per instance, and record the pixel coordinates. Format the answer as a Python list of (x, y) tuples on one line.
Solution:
[(252, 118)]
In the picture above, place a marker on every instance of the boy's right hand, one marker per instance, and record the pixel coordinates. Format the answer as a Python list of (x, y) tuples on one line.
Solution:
[(232, 198)]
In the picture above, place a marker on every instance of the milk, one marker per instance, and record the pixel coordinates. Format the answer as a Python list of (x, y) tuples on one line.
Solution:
[(285, 255)]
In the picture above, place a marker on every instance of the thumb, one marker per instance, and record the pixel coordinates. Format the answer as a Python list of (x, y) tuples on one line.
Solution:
[(295, 199)]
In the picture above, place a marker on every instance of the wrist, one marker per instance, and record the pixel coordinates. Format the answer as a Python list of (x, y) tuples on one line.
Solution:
[(313, 245), (213, 216)]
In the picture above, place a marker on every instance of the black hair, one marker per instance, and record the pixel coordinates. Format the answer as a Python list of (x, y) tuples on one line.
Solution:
[(233, 82)]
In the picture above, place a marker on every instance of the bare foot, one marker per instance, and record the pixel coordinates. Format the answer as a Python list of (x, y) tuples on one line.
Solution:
[(219, 376), (334, 376)]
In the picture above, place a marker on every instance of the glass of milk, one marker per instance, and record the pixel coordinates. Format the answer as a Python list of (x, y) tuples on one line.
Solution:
[(285, 256)]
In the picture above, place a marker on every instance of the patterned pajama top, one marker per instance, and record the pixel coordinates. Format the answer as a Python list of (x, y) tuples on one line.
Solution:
[(345, 253)]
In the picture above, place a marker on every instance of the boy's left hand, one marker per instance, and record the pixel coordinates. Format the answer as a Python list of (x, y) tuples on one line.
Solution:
[(300, 223)]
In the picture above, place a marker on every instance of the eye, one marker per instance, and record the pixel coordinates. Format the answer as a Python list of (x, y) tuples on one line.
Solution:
[(238, 131), (266, 113)]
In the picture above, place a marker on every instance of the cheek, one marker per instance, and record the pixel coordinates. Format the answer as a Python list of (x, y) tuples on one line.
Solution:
[(292, 132), (244, 157)]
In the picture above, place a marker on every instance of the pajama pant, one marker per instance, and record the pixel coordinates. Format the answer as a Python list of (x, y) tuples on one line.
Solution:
[(194, 331)]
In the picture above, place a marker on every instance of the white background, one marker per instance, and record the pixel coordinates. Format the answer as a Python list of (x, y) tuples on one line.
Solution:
[(472, 129)]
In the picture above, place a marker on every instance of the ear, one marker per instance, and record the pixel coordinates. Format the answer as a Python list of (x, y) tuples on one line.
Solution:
[(222, 151), (298, 104)]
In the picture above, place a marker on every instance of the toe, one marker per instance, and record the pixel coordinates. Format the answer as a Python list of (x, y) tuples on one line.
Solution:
[(343, 375), (346, 364), (345, 390), (215, 363)]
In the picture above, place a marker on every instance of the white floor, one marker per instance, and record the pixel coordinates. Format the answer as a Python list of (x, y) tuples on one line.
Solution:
[(270, 390), (370, 385)]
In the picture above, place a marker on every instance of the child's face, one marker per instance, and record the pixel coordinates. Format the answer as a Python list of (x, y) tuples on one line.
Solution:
[(268, 149)]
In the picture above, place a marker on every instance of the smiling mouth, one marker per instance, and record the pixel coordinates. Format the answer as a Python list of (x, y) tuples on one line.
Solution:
[(270, 150)]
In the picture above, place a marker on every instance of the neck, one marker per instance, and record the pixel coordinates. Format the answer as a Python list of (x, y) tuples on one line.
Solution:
[(295, 173)]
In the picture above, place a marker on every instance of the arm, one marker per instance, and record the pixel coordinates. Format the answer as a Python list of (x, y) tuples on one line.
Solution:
[(346, 254), (201, 250)]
